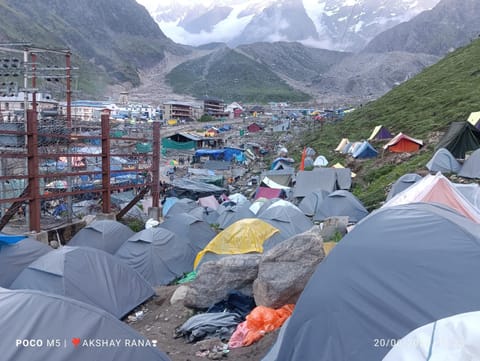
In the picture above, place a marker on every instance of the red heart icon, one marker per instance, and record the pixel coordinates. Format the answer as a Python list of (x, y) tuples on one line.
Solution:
[(76, 341)]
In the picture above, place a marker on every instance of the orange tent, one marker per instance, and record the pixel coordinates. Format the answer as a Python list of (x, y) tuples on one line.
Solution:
[(402, 143)]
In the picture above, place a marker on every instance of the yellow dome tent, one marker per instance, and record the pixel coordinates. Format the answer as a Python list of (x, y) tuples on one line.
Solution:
[(244, 236)]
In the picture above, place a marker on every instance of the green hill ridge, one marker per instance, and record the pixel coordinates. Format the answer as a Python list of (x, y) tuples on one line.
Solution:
[(423, 107)]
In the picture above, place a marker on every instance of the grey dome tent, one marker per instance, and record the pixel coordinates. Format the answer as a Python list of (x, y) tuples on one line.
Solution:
[(189, 228), (158, 255), (88, 275), (309, 203), (471, 167), (443, 161), (340, 203), (35, 315), (15, 257), (385, 278), (231, 214), (403, 183), (287, 218), (106, 235)]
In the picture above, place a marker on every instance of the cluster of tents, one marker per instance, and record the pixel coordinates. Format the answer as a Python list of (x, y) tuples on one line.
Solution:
[(400, 143)]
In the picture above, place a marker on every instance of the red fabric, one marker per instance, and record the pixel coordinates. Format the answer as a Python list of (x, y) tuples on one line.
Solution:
[(404, 146), (269, 193), (258, 322), (302, 162)]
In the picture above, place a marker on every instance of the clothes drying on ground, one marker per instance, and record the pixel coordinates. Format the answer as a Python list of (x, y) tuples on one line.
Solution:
[(198, 327)]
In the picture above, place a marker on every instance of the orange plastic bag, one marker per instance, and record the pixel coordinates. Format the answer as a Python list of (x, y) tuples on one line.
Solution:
[(264, 319)]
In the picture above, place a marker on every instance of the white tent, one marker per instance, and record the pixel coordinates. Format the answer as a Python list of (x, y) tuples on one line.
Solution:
[(452, 338)]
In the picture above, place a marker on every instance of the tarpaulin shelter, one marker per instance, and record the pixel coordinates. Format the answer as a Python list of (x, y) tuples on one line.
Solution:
[(365, 150), (69, 325), (88, 275), (187, 188), (190, 228), (266, 192), (403, 183), (443, 161), (244, 236), (315, 180), (281, 176), (436, 189), (460, 138), (471, 166), (340, 203), (386, 277), (310, 202), (402, 143), (14, 257), (380, 132), (209, 201), (451, 338), (159, 255), (106, 235)]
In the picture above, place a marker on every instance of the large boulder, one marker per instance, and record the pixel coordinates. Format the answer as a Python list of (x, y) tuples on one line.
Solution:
[(215, 279), (285, 269)]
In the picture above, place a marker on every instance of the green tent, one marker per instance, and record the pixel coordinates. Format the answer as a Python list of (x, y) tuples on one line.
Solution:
[(460, 138)]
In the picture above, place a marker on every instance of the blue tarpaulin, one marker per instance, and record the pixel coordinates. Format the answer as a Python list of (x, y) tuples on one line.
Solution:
[(11, 238)]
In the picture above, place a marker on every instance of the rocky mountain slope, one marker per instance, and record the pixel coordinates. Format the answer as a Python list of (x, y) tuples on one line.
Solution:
[(449, 25), (113, 38), (332, 24)]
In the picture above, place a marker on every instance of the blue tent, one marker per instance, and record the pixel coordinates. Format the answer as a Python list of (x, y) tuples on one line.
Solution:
[(365, 150)]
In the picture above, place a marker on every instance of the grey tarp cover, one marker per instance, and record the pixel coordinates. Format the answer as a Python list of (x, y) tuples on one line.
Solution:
[(385, 278), (188, 188), (282, 176), (158, 254), (471, 166), (460, 138), (287, 218), (106, 235), (195, 231), (88, 275), (217, 324), (443, 161), (403, 183), (16, 256), (231, 214), (36, 315), (315, 180), (340, 203), (309, 203)]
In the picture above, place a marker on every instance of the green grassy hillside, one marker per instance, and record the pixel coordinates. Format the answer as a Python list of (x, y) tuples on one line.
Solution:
[(231, 76), (422, 107)]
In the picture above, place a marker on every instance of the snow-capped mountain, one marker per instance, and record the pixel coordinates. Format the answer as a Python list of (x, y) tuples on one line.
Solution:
[(332, 24)]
